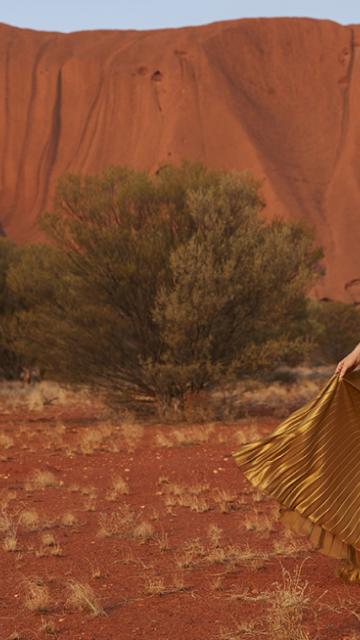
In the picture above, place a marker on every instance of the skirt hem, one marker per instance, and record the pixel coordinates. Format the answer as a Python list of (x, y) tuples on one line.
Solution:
[(321, 538)]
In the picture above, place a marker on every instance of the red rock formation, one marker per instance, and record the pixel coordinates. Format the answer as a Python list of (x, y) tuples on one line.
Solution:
[(277, 96)]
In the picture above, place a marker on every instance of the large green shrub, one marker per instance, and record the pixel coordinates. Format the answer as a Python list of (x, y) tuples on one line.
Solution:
[(10, 360), (159, 286), (336, 329)]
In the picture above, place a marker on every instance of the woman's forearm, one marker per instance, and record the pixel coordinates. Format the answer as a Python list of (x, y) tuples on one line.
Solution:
[(357, 349)]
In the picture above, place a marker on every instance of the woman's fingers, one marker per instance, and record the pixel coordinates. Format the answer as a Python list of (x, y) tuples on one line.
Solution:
[(339, 366), (345, 365), (348, 363)]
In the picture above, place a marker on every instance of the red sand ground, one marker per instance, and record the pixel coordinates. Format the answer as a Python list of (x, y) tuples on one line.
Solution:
[(119, 567), (277, 96)]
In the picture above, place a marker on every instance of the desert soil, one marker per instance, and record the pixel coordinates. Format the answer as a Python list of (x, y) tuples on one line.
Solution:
[(161, 525)]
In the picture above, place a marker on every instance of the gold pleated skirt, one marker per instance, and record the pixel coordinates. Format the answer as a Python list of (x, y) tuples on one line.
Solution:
[(310, 463)]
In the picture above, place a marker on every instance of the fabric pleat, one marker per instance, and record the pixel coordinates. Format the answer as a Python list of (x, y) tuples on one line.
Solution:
[(310, 463)]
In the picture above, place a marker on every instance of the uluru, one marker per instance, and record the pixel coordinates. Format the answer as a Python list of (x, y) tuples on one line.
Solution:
[(277, 96)]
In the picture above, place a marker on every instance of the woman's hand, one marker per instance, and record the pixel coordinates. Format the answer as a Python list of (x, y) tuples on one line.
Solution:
[(349, 362)]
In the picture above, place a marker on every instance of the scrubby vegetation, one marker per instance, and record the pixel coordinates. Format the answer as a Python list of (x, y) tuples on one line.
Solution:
[(335, 327), (10, 358), (158, 287)]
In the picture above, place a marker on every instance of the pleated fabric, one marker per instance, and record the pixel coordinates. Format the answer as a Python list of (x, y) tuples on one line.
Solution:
[(310, 463)]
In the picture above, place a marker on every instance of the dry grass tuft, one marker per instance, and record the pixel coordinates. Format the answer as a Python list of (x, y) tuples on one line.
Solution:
[(48, 540), (95, 572), (30, 519), (90, 503), (190, 436), (132, 434), (192, 553), (10, 542), (162, 540), (214, 534), (233, 556), (260, 523), (8, 526), (6, 521), (41, 480), (6, 442), (284, 617), (49, 546), (117, 523), (225, 500), (186, 496), (144, 531), (119, 487), (92, 439), (68, 519), (250, 433), (74, 487), (37, 596), (185, 436), (288, 604), (83, 598), (155, 585), (241, 630), (161, 440), (288, 544), (48, 626)]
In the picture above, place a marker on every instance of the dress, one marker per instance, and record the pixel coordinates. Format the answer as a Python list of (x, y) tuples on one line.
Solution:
[(310, 463)]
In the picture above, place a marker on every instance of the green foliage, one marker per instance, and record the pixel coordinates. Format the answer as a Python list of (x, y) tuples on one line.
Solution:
[(161, 286), (336, 329), (10, 362)]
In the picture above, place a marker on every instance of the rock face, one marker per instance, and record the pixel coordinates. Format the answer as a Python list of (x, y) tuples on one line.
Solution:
[(277, 96)]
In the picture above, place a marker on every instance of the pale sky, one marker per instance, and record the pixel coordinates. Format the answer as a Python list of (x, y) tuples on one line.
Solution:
[(75, 15)]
